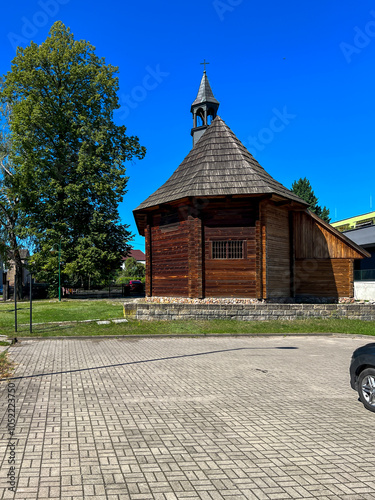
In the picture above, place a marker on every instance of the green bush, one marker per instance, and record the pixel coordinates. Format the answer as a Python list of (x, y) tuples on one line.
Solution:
[(133, 271), (124, 279)]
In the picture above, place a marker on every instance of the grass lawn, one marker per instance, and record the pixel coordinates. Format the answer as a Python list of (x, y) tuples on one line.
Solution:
[(46, 311)]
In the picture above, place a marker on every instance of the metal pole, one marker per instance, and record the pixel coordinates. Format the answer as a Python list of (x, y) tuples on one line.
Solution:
[(31, 304), (15, 301), (60, 271), (5, 286)]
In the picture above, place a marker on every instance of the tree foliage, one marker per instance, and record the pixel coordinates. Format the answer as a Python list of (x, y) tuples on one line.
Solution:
[(303, 189), (10, 228), (133, 270), (69, 155)]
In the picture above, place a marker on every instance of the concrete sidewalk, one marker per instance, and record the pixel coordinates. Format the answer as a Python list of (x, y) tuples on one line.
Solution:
[(187, 418)]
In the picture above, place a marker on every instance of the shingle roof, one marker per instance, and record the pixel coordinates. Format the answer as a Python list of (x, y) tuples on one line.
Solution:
[(205, 93), (135, 254), (219, 164)]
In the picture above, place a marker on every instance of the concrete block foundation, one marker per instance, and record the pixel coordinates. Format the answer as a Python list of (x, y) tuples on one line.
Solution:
[(248, 312)]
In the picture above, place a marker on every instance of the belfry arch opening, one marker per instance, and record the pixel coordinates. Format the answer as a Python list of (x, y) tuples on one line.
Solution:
[(211, 115), (200, 121)]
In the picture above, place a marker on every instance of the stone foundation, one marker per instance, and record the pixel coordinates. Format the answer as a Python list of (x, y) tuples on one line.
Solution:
[(248, 312)]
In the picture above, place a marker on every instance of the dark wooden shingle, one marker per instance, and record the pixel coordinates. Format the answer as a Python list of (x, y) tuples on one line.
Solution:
[(219, 164)]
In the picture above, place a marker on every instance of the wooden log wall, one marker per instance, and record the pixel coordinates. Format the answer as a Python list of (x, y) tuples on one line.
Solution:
[(230, 277), (196, 265), (276, 251), (324, 277), (148, 287), (286, 252), (324, 262), (170, 260), (258, 254), (263, 245)]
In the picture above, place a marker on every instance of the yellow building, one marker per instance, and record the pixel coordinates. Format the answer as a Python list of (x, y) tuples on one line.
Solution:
[(356, 222), (361, 230)]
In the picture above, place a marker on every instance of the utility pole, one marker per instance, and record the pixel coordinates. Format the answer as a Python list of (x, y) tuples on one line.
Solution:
[(31, 303), (15, 301), (60, 270)]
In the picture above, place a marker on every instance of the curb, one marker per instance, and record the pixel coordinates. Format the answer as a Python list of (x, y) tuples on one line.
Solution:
[(195, 335), (73, 322)]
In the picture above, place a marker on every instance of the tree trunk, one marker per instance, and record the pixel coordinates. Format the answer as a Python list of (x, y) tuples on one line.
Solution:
[(18, 268)]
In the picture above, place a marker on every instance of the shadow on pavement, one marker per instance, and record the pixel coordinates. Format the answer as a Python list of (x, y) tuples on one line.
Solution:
[(148, 361)]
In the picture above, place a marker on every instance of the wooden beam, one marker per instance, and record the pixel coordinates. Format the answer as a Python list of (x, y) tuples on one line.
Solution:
[(195, 258), (148, 249), (258, 252), (351, 278), (263, 242), (282, 202), (292, 254)]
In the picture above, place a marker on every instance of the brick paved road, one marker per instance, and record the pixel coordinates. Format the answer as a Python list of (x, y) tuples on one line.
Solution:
[(192, 418)]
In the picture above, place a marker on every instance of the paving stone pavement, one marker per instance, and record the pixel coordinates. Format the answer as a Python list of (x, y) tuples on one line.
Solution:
[(187, 418)]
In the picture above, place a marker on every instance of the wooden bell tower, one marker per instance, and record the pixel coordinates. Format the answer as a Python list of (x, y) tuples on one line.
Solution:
[(204, 108)]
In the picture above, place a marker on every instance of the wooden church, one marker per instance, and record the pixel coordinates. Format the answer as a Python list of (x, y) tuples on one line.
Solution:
[(221, 226)]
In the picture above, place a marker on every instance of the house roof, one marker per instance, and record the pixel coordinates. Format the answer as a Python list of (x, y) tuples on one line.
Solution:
[(205, 93), (219, 164), (136, 254), (364, 236)]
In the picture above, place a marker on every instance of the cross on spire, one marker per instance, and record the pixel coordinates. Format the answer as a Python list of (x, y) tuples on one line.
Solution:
[(204, 63)]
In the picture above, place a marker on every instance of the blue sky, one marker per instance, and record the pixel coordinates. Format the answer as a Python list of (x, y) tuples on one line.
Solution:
[(313, 63)]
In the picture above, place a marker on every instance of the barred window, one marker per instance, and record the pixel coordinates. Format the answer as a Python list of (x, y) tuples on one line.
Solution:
[(219, 249), (227, 249)]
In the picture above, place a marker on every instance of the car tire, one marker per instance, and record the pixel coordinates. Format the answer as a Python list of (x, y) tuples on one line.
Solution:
[(366, 388)]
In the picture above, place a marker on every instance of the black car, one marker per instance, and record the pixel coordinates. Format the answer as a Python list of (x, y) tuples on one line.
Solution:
[(362, 374)]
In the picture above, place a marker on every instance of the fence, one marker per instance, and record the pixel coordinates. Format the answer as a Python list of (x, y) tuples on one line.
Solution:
[(364, 275), (40, 291), (114, 291)]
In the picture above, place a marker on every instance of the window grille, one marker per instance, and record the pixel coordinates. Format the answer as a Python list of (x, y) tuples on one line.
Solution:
[(219, 249), (227, 249)]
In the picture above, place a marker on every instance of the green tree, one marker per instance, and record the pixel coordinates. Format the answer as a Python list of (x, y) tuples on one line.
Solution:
[(132, 270), (9, 220), (68, 155), (303, 189)]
